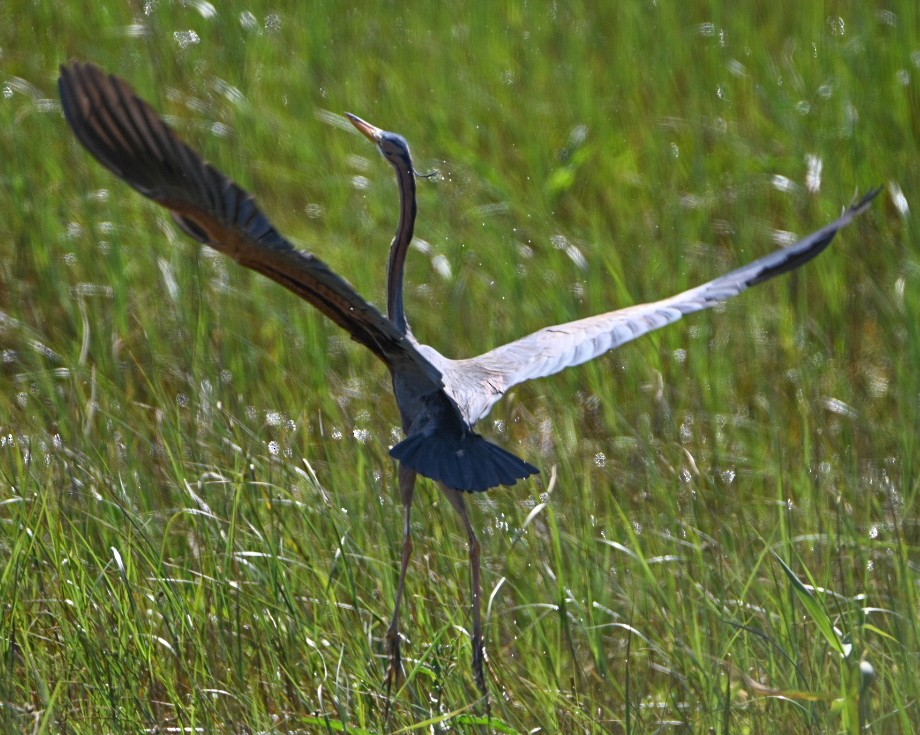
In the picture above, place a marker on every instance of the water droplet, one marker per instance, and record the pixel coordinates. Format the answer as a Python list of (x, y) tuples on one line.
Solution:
[(814, 165), (204, 8), (273, 22), (186, 38), (784, 238), (783, 183), (706, 29), (899, 200), (442, 265)]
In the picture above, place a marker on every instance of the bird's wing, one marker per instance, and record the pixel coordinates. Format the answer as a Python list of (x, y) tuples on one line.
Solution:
[(128, 137), (555, 348)]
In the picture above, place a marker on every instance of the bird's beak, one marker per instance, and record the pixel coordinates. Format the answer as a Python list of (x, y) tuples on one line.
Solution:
[(373, 134)]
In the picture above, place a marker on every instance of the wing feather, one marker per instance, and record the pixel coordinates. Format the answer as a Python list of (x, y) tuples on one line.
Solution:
[(555, 348), (128, 137)]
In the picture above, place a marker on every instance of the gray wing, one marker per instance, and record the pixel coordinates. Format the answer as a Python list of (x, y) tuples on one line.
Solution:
[(478, 383), (128, 137)]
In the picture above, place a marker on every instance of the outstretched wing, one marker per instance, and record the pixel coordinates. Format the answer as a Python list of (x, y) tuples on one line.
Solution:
[(128, 137), (478, 383)]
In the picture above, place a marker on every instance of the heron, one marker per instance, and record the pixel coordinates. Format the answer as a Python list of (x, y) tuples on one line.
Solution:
[(477, 384), (439, 399)]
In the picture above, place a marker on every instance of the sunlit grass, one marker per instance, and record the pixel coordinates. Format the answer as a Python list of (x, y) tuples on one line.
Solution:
[(199, 521)]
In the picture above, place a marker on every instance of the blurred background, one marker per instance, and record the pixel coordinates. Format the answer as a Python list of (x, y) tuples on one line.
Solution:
[(199, 521)]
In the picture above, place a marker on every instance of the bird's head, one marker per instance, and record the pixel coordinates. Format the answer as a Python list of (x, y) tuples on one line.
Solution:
[(392, 146)]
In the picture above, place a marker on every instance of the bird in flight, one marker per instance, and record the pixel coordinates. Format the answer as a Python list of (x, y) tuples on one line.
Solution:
[(439, 399)]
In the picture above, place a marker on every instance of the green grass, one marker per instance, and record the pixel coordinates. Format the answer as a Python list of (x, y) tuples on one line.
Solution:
[(199, 521)]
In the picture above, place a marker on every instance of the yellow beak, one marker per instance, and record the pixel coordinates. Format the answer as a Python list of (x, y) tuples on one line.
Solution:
[(372, 133)]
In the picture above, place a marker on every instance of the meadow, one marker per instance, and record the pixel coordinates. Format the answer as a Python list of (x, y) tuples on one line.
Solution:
[(199, 522)]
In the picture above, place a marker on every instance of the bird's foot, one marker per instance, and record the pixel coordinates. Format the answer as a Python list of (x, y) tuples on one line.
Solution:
[(394, 668), (479, 672)]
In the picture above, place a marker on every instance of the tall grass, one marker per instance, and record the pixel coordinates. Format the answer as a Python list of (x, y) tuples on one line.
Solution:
[(199, 521)]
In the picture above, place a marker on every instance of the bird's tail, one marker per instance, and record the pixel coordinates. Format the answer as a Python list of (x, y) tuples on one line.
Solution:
[(469, 462)]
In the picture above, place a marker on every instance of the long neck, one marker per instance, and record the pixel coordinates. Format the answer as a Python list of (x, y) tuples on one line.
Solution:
[(400, 245)]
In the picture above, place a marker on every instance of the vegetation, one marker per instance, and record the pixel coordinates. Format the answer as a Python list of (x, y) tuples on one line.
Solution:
[(199, 522)]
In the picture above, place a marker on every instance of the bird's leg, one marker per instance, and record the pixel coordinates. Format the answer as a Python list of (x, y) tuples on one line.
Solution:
[(407, 491), (456, 499)]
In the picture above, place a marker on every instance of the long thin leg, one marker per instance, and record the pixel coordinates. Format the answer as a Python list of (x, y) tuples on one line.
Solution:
[(407, 491), (456, 499)]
